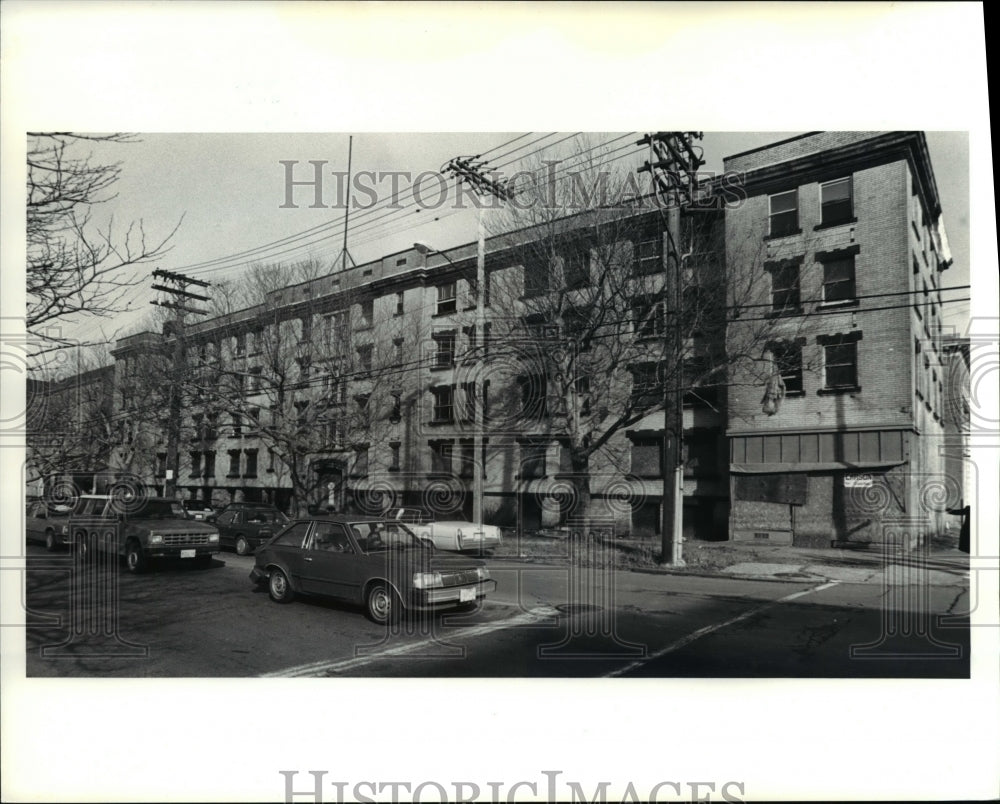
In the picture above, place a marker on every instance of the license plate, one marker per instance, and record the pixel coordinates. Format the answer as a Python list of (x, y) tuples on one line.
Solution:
[(466, 595), (188, 553)]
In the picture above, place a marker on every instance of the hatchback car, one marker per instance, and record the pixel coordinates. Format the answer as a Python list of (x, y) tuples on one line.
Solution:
[(457, 535), (244, 526), (375, 563)]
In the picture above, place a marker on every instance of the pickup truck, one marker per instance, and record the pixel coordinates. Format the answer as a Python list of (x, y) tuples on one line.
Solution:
[(140, 530)]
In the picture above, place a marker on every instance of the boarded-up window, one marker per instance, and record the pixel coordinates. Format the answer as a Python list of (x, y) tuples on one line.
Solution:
[(791, 488), (646, 457)]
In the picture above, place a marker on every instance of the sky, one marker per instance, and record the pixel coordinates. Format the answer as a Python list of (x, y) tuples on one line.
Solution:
[(226, 193)]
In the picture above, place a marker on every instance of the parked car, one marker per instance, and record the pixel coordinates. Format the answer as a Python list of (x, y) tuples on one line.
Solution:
[(449, 534), (48, 523), (198, 510), (140, 529), (375, 563), (245, 526)]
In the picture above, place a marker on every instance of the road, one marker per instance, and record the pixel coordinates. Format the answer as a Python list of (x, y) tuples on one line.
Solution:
[(544, 621)]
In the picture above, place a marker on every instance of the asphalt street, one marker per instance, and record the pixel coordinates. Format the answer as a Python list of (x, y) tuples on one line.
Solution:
[(544, 621)]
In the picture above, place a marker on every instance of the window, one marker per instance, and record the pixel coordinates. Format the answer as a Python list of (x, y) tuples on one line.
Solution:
[(784, 213), (536, 277), (583, 395), (444, 356), (838, 279), (700, 454), (256, 343), (212, 429), (836, 202), (338, 332), (648, 253), (446, 301), (399, 303), (271, 459), (444, 404), (788, 363), (237, 426), (305, 329), (240, 344), (784, 286), (364, 411), (305, 367), (209, 470), (234, 463), (195, 464), (397, 345), (394, 456), (333, 432), (365, 357), (293, 536), (473, 290), (441, 456), (646, 385), (367, 312), (251, 463), (255, 379), (840, 361), (252, 420), (534, 395), (576, 269), (647, 457), (532, 461), (468, 408), (397, 407), (648, 318), (466, 461)]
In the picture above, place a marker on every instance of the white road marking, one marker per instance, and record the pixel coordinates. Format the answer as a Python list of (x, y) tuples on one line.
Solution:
[(335, 666), (708, 629)]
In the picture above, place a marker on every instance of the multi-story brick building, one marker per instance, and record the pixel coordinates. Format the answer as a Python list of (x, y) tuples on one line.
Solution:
[(812, 352), (846, 445)]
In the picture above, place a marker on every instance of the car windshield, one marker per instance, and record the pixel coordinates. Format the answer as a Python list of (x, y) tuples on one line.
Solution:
[(412, 516), (378, 536), (161, 509)]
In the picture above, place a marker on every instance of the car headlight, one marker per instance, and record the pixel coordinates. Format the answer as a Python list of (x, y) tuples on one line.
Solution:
[(156, 538), (213, 537), (482, 573), (427, 580)]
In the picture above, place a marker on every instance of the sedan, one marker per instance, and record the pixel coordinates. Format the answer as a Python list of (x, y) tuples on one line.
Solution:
[(49, 524), (198, 510), (244, 527), (374, 563), (456, 535)]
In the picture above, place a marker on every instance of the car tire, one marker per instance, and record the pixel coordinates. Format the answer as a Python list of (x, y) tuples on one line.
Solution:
[(382, 604), (51, 544), (135, 558), (279, 588), (242, 546)]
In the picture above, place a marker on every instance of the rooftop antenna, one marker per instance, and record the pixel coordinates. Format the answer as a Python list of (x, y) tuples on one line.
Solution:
[(345, 255)]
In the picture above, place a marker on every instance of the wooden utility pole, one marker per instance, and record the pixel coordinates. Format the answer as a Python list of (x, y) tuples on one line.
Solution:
[(467, 168), (673, 163), (176, 287)]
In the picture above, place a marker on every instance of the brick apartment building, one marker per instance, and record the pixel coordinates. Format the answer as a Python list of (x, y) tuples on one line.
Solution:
[(821, 424), (849, 231)]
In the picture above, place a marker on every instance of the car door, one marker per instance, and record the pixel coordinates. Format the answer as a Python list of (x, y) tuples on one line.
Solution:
[(224, 524), (287, 551), (329, 563), (36, 522)]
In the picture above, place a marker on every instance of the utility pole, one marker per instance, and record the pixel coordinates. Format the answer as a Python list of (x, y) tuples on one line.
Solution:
[(471, 170), (673, 163), (177, 288)]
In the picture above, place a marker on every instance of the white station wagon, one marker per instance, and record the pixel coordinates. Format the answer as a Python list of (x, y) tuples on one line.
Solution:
[(456, 535)]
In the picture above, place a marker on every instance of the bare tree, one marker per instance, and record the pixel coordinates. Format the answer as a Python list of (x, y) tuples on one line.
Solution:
[(590, 308), (75, 267)]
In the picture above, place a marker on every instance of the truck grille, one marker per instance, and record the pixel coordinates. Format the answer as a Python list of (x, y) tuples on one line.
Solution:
[(185, 538)]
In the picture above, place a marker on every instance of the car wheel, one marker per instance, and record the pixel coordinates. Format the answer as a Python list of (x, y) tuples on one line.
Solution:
[(50, 541), (242, 545), (382, 604), (135, 559), (279, 588)]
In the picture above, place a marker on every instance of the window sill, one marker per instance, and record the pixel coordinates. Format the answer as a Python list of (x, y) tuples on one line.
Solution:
[(833, 305), (847, 389), (784, 234), (443, 367), (441, 423), (443, 313), (786, 312), (793, 394), (833, 224)]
